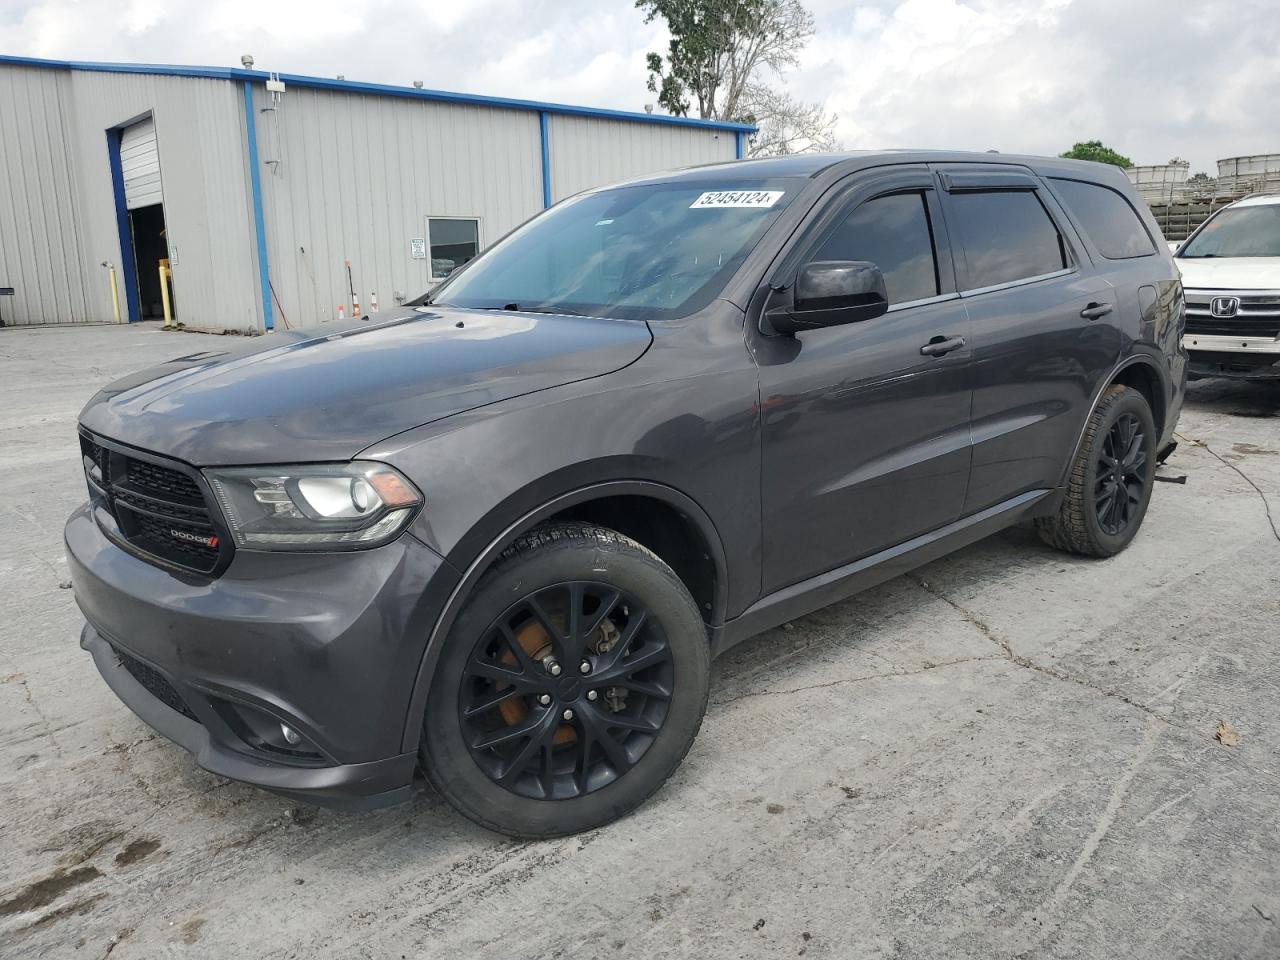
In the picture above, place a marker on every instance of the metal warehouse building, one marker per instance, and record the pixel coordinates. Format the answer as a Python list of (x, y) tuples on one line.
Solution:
[(277, 200)]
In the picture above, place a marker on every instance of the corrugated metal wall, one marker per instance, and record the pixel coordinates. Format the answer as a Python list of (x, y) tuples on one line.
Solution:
[(42, 251), (208, 213), (587, 151), (346, 176), (57, 203), (354, 177)]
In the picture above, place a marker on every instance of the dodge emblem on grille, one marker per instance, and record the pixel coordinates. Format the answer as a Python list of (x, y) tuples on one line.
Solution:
[(1224, 306), (211, 541)]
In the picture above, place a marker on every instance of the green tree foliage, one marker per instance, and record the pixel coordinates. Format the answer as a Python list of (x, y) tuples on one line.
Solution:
[(721, 57), (1095, 151)]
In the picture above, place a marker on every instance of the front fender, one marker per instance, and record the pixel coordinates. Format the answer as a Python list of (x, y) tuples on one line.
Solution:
[(490, 552)]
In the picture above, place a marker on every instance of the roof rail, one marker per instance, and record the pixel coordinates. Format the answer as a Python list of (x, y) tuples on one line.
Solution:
[(1261, 193)]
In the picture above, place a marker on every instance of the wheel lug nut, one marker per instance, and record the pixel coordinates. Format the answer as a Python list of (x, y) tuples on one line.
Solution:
[(584, 667), (592, 695), (568, 714), (545, 699), (551, 666)]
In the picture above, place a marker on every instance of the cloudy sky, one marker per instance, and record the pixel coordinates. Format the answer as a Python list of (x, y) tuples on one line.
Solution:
[(1152, 78)]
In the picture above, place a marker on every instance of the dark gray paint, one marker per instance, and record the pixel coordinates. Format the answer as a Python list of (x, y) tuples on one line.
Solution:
[(811, 465)]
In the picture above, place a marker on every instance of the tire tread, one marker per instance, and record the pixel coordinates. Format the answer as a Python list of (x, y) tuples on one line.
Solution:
[(1068, 529)]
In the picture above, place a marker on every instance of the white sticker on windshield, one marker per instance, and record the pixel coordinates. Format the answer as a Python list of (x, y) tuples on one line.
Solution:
[(737, 198)]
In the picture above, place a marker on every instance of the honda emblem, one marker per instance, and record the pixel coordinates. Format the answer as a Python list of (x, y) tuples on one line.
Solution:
[(1224, 306)]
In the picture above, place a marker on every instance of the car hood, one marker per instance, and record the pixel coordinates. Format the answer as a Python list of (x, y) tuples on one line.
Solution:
[(300, 396), (1229, 273)]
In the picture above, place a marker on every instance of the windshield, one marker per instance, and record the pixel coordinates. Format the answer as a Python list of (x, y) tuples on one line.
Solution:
[(651, 251), (1239, 232)]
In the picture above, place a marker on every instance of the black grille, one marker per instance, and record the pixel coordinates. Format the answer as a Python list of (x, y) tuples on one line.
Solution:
[(160, 510), (154, 682), (1256, 315), (168, 483)]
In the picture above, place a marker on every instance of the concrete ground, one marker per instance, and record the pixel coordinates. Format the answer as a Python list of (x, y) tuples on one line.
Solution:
[(1009, 753)]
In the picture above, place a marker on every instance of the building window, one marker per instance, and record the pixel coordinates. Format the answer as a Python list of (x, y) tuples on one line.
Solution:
[(451, 242)]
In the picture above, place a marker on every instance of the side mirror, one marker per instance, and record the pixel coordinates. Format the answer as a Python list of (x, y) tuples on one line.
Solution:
[(832, 292)]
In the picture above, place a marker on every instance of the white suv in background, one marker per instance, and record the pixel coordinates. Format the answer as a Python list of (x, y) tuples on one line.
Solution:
[(1231, 273)]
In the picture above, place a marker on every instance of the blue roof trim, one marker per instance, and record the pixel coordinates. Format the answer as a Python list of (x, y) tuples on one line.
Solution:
[(374, 89)]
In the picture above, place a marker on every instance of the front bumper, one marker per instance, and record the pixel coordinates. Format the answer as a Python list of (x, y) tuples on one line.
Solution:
[(1235, 364), (329, 644)]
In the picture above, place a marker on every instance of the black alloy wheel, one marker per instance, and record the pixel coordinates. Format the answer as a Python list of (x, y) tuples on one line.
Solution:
[(566, 690), (570, 686), (1120, 480), (1110, 479)]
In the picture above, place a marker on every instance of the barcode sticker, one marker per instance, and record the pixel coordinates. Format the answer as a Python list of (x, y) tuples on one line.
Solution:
[(737, 198)]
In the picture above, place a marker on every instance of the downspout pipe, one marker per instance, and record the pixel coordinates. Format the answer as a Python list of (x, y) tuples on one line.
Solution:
[(544, 130), (259, 221)]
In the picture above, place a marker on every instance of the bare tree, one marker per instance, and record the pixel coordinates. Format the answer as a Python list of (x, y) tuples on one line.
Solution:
[(787, 125), (722, 56)]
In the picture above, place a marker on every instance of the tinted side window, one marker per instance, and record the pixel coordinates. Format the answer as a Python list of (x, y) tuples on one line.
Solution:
[(892, 232), (1007, 236), (1107, 218)]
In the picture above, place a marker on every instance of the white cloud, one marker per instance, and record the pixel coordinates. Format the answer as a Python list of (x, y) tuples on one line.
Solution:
[(1144, 77), (1153, 78)]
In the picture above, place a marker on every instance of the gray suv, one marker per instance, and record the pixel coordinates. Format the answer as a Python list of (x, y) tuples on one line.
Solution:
[(501, 537)]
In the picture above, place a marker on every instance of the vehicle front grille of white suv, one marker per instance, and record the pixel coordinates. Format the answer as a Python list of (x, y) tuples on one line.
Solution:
[(1231, 273)]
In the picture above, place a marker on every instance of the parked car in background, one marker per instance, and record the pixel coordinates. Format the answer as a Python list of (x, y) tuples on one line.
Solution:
[(1231, 274), (502, 535)]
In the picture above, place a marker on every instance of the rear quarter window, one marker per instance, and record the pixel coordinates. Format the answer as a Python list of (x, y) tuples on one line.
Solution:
[(1107, 218)]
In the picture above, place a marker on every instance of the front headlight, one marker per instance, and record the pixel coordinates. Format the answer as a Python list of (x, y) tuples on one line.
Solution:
[(343, 506)]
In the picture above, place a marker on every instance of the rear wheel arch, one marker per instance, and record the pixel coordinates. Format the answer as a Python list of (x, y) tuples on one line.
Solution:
[(1143, 375), (685, 539)]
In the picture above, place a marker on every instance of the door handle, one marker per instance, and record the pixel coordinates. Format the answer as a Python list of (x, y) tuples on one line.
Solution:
[(1095, 310), (941, 345)]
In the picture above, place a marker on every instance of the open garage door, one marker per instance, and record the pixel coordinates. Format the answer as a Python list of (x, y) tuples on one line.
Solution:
[(144, 201), (140, 163)]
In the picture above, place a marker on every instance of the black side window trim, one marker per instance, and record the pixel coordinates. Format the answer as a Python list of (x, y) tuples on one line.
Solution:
[(1155, 247)]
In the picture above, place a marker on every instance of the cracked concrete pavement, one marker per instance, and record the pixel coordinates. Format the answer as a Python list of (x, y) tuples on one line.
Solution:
[(1008, 753)]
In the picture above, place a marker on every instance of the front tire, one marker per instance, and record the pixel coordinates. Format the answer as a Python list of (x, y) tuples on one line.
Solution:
[(570, 687), (1110, 483)]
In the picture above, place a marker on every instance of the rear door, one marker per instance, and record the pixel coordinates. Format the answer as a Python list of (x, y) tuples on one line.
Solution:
[(1041, 336), (865, 439)]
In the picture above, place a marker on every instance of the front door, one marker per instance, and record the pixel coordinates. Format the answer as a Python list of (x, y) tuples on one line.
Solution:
[(865, 437)]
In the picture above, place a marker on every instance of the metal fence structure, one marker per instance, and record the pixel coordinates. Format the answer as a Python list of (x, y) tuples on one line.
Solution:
[(1181, 203)]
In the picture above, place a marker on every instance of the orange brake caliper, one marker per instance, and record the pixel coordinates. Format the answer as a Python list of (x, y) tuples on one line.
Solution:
[(534, 641)]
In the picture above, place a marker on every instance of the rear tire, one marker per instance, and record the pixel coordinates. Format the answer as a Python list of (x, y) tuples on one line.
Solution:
[(1110, 483), (529, 753)]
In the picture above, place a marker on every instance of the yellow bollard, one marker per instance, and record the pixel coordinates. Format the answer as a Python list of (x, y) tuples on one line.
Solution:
[(165, 274), (115, 293)]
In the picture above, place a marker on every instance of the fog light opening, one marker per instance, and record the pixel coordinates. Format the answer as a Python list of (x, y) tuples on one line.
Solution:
[(265, 733)]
